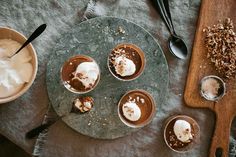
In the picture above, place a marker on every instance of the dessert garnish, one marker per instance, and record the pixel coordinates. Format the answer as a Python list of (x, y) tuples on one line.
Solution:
[(126, 61), (124, 66), (80, 74), (83, 104), (181, 132), (220, 42), (87, 73), (131, 111)]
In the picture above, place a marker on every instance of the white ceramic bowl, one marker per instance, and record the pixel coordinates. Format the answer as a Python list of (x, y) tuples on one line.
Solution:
[(8, 33)]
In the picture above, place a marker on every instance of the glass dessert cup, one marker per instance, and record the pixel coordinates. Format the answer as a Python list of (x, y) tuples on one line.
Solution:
[(146, 104), (184, 147), (132, 52), (69, 67), (215, 84)]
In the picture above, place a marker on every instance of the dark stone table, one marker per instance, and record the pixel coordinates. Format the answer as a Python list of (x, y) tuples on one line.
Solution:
[(19, 116)]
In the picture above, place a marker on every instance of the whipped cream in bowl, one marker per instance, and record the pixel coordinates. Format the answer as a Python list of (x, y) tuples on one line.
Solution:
[(17, 73), (80, 74)]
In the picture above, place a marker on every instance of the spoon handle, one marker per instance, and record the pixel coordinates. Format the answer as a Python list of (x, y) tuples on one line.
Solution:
[(167, 8), (160, 8), (35, 34), (37, 130), (166, 11)]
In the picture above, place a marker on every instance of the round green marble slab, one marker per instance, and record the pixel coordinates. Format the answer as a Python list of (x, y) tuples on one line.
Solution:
[(96, 38)]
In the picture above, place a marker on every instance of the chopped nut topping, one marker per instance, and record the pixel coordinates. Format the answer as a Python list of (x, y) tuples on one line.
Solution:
[(142, 100), (130, 98), (220, 41), (137, 98)]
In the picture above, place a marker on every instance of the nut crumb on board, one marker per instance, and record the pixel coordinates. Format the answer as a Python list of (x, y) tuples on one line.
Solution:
[(220, 42)]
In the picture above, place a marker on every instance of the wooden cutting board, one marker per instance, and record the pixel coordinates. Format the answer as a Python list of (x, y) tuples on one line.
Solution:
[(211, 11)]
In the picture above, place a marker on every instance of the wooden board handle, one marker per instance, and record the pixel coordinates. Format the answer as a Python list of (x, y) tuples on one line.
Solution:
[(220, 140)]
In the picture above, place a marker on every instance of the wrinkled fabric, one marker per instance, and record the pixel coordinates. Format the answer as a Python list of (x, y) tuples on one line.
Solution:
[(27, 112)]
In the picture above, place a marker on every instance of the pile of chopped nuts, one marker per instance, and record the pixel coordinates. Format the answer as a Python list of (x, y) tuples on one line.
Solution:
[(220, 41)]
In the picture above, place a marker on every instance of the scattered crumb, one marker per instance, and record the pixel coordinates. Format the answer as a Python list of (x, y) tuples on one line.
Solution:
[(142, 100), (121, 30), (130, 98)]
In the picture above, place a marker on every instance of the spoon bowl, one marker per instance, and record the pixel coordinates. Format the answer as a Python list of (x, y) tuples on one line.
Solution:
[(177, 47), (176, 44)]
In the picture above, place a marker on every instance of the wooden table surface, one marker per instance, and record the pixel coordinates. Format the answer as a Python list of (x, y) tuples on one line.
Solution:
[(23, 114)]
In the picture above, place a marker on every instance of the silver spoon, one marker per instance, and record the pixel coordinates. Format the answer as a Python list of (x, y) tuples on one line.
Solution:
[(176, 44), (34, 35), (50, 121), (37, 130)]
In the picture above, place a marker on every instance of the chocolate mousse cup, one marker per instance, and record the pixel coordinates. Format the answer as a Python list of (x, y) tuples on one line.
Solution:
[(131, 52), (146, 104), (67, 74), (171, 139)]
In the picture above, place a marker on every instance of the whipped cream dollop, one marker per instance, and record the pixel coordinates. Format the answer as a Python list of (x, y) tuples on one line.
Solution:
[(124, 66), (16, 71), (182, 130), (131, 111), (87, 73)]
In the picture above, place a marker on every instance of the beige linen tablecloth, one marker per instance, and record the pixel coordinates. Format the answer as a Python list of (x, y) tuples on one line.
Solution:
[(23, 114)]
